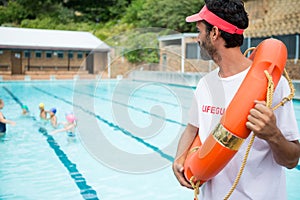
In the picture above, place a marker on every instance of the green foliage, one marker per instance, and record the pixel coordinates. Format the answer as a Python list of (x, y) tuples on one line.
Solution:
[(38, 8), (110, 29), (17, 11), (165, 14), (141, 47), (143, 55), (132, 13), (137, 45), (52, 23), (100, 11), (12, 13)]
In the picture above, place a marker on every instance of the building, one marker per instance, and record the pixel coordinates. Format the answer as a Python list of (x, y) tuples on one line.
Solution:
[(278, 19), (31, 52), (181, 53)]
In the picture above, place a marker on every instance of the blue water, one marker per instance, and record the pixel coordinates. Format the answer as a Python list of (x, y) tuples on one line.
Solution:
[(126, 140)]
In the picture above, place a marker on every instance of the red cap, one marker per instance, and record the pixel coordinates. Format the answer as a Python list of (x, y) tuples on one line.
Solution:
[(214, 20)]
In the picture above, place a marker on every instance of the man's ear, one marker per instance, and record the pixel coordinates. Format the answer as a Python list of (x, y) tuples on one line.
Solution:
[(215, 32)]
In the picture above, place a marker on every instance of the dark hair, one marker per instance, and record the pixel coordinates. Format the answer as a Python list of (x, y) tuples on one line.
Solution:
[(232, 11)]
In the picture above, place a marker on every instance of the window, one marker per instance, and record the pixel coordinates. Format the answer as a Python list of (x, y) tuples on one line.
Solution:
[(60, 54), (192, 51), (290, 43), (79, 55), (38, 54), (48, 54), (27, 54), (255, 41), (244, 46), (289, 40), (298, 48), (70, 55)]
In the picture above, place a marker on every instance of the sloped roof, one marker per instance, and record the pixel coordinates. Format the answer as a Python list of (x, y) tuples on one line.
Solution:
[(26, 38)]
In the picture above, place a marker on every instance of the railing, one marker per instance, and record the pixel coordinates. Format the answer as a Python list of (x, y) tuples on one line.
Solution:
[(4, 68), (51, 68)]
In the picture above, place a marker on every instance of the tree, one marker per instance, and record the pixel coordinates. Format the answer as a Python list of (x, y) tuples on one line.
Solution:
[(165, 14), (98, 11), (12, 12), (38, 8), (18, 10), (169, 15)]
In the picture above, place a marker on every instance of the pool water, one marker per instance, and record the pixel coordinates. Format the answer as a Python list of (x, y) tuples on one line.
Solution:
[(126, 140)]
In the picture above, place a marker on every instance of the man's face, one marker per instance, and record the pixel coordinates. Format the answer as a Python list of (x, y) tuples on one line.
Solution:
[(207, 50)]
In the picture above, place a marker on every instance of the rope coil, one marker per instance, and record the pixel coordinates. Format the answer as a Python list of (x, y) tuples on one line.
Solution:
[(269, 100), (196, 187)]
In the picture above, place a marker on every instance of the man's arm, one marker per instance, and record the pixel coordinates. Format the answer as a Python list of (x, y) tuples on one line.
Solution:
[(262, 122), (185, 142)]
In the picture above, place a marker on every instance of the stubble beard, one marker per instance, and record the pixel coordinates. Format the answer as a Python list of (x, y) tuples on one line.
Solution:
[(207, 50)]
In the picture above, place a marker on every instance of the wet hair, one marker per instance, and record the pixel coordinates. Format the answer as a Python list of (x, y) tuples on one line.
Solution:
[(232, 11)]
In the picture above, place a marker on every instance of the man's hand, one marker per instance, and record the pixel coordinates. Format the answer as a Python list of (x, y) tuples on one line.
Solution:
[(262, 121), (179, 173)]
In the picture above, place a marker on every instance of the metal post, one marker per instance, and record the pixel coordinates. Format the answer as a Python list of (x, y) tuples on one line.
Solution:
[(297, 49), (108, 65), (28, 61), (68, 53), (182, 53)]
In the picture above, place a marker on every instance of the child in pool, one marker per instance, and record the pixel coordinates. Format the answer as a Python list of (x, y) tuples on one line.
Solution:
[(53, 118), (25, 110), (43, 113), (69, 126)]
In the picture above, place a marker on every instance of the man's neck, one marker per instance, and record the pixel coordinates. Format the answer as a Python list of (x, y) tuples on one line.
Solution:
[(231, 62)]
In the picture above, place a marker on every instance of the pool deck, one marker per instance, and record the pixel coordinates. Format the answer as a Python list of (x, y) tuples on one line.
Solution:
[(62, 75), (45, 77)]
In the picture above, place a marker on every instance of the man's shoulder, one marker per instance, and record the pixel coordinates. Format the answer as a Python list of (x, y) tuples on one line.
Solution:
[(210, 77)]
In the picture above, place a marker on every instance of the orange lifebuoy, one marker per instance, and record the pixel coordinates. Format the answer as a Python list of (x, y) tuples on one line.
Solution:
[(207, 160)]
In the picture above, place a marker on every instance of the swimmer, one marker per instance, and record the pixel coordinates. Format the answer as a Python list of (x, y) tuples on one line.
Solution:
[(25, 110), (53, 118), (4, 121), (43, 113), (69, 127)]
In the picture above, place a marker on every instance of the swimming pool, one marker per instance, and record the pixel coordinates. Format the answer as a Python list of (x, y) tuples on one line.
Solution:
[(127, 141)]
